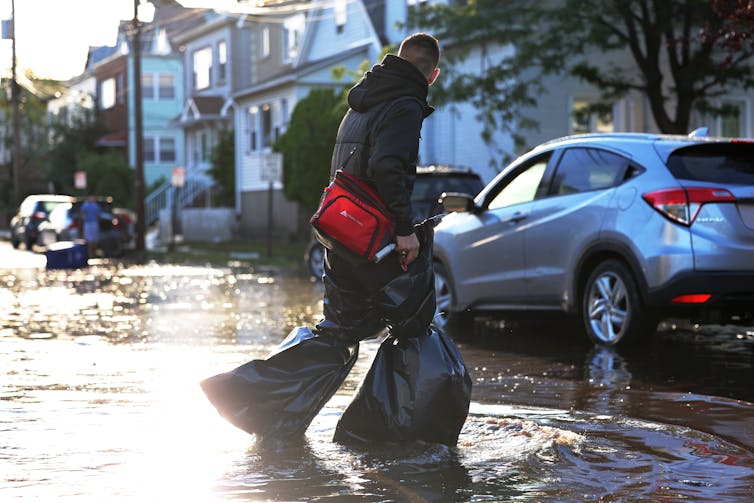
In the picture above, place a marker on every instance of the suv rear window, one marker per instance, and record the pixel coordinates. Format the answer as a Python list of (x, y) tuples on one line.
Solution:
[(728, 163), (429, 187)]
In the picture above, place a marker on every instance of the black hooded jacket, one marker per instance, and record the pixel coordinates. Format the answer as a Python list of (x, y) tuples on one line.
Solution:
[(378, 138)]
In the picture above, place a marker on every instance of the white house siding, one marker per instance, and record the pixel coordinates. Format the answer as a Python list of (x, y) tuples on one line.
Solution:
[(325, 40), (321, 41), (453, 133)]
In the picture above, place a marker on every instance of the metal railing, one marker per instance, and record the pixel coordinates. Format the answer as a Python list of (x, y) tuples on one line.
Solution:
[(162, 197)]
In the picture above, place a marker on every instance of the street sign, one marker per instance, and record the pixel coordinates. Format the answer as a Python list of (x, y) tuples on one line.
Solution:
[(79, 179), (272, 167), (179, 177)]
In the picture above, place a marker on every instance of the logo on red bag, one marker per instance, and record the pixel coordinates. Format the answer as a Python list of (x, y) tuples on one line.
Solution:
[(347, 215)]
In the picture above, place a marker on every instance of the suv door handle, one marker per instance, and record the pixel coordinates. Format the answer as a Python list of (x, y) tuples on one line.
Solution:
[(515, 218)]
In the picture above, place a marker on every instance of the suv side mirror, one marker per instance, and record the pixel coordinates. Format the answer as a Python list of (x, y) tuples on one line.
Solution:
[(456, 201)]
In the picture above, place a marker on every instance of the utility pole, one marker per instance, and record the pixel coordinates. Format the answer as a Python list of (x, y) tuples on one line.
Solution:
[(15, 98), (138, 133)]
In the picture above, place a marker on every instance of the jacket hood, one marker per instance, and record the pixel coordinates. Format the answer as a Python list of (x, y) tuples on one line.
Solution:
[(393, 78)]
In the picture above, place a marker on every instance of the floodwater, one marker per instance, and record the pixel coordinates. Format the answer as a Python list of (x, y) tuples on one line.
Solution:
[(100, 401)]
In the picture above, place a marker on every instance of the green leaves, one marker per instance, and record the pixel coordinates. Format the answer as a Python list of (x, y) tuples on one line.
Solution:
[(223, 169), (307, 146), (677, 53)]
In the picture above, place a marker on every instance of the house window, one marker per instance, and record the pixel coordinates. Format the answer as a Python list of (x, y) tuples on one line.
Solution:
[(204, 146), (147, 86), (202, 68), (264, 42), (732, 119), (167, 149), (340, 8), (222, 61), (150, 152), (251, 127), (107, 93), (166, 90), (284, 112), (585, 118), (157, 86), (120, 89), (159, 149), (293, 34), (267, 138)]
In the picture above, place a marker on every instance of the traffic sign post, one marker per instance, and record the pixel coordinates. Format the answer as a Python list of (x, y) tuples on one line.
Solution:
[(271, 171), (177, 180)]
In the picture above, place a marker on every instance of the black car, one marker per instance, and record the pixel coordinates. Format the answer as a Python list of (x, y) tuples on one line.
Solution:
[(64, 224), (33, 211), (431, 181)]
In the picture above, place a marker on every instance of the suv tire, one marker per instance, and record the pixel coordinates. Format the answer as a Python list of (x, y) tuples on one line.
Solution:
[(611, 309), (315, 259), (450, 321)]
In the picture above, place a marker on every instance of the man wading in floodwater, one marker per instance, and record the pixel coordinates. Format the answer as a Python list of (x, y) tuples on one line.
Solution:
[(418, 387), (387, 107)]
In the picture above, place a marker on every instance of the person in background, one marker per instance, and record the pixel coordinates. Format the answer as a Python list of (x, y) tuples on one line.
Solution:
[(90, 214)]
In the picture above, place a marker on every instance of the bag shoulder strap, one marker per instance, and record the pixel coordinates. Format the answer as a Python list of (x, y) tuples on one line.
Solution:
[(379, 117)]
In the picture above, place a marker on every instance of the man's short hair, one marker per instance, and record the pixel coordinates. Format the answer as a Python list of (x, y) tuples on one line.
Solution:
[(423, 50)]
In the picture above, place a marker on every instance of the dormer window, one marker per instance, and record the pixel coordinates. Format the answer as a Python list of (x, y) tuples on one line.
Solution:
[(293, 35), (264, 42), (222, 61), (162, 44), (341, 11), (202, 68)]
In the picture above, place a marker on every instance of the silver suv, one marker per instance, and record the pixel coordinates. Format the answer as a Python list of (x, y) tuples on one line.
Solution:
[(617, 230)]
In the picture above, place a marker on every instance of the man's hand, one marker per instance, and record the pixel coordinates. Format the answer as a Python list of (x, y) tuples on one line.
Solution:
[(407, 248)]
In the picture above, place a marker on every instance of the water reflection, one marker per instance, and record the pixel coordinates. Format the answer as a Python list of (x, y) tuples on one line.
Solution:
[(608, 379), (100, 401)]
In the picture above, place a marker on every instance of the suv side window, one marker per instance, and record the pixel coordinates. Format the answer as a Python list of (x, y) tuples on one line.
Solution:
[(585, 169), (521, 186)]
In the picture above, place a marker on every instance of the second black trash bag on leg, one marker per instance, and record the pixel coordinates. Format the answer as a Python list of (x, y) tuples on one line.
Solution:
[(418, 388), (279, 396)]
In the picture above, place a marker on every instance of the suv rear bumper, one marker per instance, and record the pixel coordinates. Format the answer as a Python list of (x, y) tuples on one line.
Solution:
[(732, 296)]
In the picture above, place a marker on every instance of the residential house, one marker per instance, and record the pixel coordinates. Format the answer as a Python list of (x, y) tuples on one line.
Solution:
[(215, 64), (453, 133), (557, 110), (292, 51), (109, 76)]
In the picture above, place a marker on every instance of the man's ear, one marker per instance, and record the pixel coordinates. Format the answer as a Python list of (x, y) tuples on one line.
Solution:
[(433, 77)]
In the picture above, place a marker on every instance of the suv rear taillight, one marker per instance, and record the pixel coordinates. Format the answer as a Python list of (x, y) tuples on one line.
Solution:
[(682, 205)]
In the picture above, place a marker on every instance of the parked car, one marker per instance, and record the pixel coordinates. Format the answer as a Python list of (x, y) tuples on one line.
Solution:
[(64, 224), (615, 230), (431, 181), (32, 211), (126, 223)]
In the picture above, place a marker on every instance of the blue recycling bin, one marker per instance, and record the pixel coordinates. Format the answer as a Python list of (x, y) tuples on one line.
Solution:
[(67, 255)]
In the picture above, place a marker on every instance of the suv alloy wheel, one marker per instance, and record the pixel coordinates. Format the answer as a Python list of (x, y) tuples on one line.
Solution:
[(612, 310)]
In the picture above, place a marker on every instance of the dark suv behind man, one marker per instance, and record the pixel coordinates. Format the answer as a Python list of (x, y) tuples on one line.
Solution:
[(33, 211), (431, 181)]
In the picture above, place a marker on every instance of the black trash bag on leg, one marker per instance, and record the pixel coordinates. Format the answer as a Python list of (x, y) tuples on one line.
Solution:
[(278, 397), (418, 388)]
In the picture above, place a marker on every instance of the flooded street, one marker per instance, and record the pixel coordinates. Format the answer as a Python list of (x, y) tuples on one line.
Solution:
[(100, 401)]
